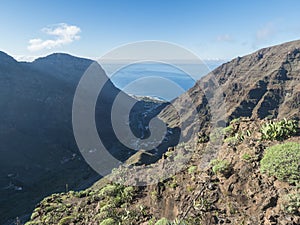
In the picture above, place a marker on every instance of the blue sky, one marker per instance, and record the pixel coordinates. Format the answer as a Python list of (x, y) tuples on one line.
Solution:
[(211, 29)]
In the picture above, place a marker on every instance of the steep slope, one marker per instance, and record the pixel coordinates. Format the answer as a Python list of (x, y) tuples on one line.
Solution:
[(233, 190), (38, 150), (259, 85), (39, 155)]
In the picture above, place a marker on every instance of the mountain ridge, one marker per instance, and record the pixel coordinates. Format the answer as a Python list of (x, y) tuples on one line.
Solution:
[(39, 154)]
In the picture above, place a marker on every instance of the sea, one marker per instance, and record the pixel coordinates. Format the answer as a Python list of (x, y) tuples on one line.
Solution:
[(158, 80)]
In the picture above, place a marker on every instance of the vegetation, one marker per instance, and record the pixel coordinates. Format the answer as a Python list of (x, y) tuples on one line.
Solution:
[(108, 221), (236, 120), (232, 140), (192, 169), (202, 137), (111, 203), (164, 221), (220, 166), (291, 203), (279, 130), (228, 131), (282, 161), (66, 220), (247, 157)]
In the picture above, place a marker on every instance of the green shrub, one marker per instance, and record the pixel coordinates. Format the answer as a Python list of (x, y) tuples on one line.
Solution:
[(34, 215), (50, 208), (173, 185), (163, 221), (128, 193), (236, 139), (107, 208), (169, 154), (246, 157), (220, 166), (66, 220), (173, 182), (108, 221), (81, 194), (192, 169), (283, 162), (228, 130), (236, 120), (109, 190), (33, 223), (291, 203), (279, 130), (249, 158), (154, 195), (232, 140)]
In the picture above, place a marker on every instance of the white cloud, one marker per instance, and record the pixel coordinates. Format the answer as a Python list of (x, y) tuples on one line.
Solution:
[(265, 32), (225, 37), (62, 33), (264, 35)]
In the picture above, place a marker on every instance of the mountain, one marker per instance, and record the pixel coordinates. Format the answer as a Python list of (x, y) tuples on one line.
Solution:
[(262, 84), (230, 122), (39, 154), (36, 132)]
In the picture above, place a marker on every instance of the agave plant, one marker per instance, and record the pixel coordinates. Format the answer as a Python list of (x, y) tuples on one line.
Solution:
[(279, 130)]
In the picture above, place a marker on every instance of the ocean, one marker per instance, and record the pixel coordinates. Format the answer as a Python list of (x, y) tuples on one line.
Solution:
[(158, 80)]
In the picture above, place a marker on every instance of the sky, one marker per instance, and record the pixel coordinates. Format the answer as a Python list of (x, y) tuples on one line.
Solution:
[(210, 29)]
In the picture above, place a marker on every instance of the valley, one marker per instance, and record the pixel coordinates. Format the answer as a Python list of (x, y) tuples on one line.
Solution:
[(227, 178)]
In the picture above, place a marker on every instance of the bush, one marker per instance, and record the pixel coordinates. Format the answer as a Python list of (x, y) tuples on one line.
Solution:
[(246, 157), (232, 140), (192, 169), (33, 223), (291, 203), (128, 193), (107, 208), (66, 220), (162, 221), (249, 158), (220, 166), (34, 215), (108, 221), (236, 120), (228, 131), (283, 162), (279, 130), (109, 190)]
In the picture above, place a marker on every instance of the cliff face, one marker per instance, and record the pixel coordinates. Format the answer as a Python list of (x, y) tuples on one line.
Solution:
[(259, 85), (263, 84)]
